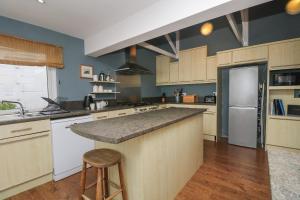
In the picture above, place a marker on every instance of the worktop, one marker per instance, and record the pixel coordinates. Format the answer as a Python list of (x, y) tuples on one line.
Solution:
[(81, 112), (120, 129)]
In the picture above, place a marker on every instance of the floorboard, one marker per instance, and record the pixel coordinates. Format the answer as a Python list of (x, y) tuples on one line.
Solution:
[(229, 172)]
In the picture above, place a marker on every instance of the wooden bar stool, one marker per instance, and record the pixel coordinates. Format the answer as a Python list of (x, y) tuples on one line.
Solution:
[(101, 159)]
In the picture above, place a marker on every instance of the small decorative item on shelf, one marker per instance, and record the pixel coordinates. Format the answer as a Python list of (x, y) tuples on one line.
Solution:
[(86, 71), (101, 76), (95, 78)]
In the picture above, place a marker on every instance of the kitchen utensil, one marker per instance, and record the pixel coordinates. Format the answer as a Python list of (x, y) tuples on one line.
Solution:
[(92, 106), (96, 88), (107, 77), (101, 104), (100, 88), (101, 76)]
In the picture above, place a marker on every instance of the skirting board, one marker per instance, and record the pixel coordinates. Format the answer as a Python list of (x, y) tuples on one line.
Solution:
[(25, 186), (210, 137)]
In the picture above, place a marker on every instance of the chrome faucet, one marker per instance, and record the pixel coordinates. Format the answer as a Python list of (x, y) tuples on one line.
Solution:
[(22, 111)]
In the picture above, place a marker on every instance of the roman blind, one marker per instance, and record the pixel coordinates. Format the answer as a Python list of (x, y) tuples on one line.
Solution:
[(18, 51)]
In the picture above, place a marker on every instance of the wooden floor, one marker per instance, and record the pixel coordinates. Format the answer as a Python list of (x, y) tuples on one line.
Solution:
[(229, 172)]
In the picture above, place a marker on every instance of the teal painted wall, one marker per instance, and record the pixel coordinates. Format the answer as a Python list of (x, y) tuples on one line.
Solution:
[(70, 87), (264, 29)]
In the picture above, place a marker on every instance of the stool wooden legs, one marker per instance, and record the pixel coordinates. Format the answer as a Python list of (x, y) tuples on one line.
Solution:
[(102, 183), (83, 179), (105, 185), (99, 192), (122, 181)]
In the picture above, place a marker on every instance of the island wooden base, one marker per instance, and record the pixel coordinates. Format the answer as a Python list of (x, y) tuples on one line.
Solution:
[(158, 164)]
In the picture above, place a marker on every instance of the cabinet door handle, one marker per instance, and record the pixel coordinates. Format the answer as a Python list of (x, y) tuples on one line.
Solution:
[(21, 130), (122, 114), (102, 117)]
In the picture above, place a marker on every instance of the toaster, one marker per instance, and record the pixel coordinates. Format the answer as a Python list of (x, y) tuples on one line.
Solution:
[(210, 99)]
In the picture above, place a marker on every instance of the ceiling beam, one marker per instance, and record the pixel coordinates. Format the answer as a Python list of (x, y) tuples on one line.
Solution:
[(177, 43), (157, 49), (234, 27), (167, 36), (144, 25), (245, 26)]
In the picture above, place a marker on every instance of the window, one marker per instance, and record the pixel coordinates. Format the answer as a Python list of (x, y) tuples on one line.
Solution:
[(27, 84)]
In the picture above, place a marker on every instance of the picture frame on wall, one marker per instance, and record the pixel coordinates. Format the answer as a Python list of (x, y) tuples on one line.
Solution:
[(86, 71)]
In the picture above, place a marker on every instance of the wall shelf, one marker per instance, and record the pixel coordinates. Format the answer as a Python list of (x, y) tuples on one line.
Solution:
[(290, 87), (109, 82), (105, 92), (284, 117)]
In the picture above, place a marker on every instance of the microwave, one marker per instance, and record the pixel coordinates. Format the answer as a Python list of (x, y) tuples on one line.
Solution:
[(285, 77)]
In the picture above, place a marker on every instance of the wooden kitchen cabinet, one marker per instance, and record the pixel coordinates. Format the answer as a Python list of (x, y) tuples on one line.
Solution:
[(210, 123), (283, 132), (185, 66), (211, 68), (284, 54), (120, 113), (198, 66), (174, 72), (250, 54), (162, 69), (224, 58), (26, 155), (100, 115)]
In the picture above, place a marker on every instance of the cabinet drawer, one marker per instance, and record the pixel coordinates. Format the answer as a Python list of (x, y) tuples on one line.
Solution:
[(19, 129), (283, 133), (24, 158), (100, 115), (224, 58), (250, 54), (120, 113)]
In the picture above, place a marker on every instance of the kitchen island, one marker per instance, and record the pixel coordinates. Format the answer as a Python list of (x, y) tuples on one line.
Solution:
[(161, 149)]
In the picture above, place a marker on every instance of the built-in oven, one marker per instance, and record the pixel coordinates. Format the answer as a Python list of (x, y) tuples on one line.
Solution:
[(285, 77)]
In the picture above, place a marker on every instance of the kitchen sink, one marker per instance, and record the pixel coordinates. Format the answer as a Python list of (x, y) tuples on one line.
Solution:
[(18, 116)]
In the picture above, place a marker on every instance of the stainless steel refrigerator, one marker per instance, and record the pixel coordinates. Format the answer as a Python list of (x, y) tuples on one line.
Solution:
[(243, 100)]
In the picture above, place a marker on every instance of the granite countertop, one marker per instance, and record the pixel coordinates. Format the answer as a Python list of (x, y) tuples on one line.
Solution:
[(75, 113), (120, 129), (196, 103)]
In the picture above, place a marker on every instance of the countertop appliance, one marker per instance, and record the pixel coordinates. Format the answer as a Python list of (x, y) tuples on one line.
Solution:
[(285, 77), (243, 102), (68, 147), (210, 99)]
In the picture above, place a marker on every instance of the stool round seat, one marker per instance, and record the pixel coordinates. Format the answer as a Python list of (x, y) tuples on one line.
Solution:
[(102, 158)]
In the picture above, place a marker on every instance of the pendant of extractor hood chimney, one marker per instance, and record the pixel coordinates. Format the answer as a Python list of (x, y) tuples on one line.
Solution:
[(131, 67)]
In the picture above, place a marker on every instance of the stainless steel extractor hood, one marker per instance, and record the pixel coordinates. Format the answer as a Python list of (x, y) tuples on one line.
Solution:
[(131, 67)]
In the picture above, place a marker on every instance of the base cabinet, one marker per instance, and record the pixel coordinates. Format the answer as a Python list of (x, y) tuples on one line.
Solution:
[(25, 158), (284, 133), (210, 123)]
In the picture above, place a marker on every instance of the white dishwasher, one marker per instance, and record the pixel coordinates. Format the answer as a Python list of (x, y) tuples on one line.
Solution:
[(68, 147)]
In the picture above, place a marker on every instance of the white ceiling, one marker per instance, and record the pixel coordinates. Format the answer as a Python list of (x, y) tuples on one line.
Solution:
[(110, 25), (79, 18)]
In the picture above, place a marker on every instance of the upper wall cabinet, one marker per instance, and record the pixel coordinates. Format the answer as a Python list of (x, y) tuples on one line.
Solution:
[(185, 66), (198, 69), (174, 72), (284, 54), (224, 58), (162, 69), (250, 54), (211, 68)]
